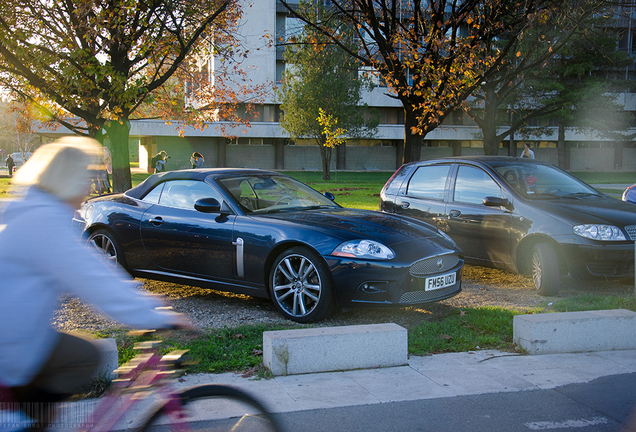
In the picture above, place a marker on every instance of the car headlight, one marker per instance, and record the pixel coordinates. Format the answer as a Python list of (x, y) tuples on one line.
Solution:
[(86, 211), (599, 232), (367, 249)]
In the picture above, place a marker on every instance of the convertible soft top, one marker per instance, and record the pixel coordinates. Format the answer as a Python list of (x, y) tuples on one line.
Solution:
[(200, 174)]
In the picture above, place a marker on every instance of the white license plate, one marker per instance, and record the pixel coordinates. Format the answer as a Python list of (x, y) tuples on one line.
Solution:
[(439, 282)]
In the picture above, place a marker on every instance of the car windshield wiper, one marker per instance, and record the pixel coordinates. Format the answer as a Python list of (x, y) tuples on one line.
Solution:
[(544, 195), (314, 207), (582, 195), (288, 209)]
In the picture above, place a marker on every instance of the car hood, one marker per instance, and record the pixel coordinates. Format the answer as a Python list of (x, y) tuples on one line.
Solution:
[(353, 223), (589, 210)]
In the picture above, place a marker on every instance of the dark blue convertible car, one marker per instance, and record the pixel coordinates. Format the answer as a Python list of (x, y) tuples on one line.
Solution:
[(267, 235)]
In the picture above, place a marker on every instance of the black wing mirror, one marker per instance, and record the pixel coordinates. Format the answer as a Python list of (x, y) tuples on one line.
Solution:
[(330, 196), (498, 202), (211, 205)]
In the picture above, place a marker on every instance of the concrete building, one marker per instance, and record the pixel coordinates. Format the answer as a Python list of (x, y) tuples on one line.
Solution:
[(266, 145)]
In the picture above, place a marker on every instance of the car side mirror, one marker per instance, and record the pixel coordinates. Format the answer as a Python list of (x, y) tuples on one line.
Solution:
[(498, 202), (211, 205), (329, 195)]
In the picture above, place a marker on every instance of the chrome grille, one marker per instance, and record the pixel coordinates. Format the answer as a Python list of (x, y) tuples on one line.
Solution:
[(431, 266), (631, 231)]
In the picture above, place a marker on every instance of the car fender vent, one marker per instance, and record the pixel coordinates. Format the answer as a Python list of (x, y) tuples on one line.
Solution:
[(434, 265)]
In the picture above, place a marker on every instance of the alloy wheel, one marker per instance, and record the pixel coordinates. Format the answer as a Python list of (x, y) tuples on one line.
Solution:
[(297, 285), (105, 246)]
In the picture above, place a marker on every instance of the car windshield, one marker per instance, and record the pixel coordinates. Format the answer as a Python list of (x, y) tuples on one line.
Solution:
[(271, 193), (538, 181)]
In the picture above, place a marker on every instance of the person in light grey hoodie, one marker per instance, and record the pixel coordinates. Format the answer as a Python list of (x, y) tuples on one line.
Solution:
[(43, 258)]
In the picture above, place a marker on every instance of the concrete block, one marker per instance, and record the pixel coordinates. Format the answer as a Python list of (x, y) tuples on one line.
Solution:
[(108, 350), (568, 332), (290, 352)]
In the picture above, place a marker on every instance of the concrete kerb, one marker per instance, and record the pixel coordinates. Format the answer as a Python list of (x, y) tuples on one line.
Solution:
[(303, 351), (570, 332), (110, 360)]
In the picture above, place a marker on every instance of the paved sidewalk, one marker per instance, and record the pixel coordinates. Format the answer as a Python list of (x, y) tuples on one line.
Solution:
[(430, 377)]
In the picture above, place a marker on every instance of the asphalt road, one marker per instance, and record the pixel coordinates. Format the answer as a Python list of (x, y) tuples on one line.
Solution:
[(606, 404)]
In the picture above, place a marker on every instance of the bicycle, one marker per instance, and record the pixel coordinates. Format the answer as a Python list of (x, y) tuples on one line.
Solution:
[(151, 374)]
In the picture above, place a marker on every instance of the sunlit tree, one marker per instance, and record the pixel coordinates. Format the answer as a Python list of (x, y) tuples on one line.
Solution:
[(430, 54), (23, 115), (99, 61), (321, 84)]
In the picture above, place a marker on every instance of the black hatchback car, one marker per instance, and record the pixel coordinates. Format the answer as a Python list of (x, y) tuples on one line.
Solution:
[(521, 215)]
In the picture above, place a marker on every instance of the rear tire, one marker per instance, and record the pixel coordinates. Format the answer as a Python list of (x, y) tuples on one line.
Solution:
[(107, 244), (545, 270), (237, 410)]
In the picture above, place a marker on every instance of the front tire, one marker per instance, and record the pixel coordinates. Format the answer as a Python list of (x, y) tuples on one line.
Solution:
[(237, 409), (300, 285), (108, 246), (545, 270)]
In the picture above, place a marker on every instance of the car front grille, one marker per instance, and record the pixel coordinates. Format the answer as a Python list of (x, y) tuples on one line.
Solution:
[(631, 231), (601, 268), (435, 265), (611, 268), (421, 296)]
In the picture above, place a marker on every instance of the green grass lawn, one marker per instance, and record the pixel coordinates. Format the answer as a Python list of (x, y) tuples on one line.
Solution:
[(240, 349), (351, 189), (606, 177), (362, 189), (463, 329)]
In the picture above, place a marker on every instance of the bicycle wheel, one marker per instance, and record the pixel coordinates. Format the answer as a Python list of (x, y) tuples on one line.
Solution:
[(225, 408)]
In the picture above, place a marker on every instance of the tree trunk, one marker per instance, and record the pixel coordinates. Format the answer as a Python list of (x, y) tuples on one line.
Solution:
[(561, 147), (489, 127), (412, 142), (512, 145), (118, 132), (341, 157), (325, 156)]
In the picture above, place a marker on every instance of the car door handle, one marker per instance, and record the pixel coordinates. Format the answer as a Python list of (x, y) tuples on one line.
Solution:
[(405, 204), (454, 213), (156, 221)]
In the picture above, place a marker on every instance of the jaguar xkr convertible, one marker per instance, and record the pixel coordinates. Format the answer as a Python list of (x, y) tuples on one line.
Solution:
[(267, 235)]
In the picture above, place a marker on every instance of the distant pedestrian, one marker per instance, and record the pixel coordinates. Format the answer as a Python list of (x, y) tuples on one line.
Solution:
[(527, 152), (10, 165), (197, 160), (159, 161)]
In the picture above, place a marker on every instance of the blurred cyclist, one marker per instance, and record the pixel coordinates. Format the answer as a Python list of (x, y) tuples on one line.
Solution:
[(41, 258)]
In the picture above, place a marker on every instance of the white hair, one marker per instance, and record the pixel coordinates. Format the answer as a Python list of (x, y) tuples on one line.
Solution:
[(61, 168)]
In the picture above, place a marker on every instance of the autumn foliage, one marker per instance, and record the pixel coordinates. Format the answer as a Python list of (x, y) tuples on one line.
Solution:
[(96, 64), (430, 54)]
